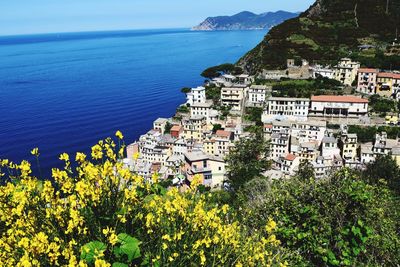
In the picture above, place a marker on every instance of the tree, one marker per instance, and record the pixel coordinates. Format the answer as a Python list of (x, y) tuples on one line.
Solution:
[(247, 160), (306, 171), (384, 167), (168, 127), (186, 90), (216, 127)]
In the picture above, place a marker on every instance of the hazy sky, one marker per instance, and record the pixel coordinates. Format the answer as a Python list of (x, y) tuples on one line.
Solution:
[(39, 16)]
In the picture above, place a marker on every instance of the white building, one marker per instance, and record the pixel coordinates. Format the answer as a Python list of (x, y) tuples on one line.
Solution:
[(160, 124), (279, 145), (346, 71), (196, 95), (330, 147), (233, 97), (201, 109), (323, 72), (284, 108), (338, 106), (257, 95)]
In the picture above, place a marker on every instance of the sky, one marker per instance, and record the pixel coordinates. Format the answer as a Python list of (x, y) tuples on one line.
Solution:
[(51, 16)]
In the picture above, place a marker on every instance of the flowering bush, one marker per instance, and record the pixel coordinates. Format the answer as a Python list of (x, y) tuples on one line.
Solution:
[(100, 214)]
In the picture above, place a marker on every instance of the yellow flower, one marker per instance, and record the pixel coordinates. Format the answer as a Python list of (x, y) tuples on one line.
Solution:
[(101, 263), (97, 152), (271, 226), (80, 157), (113, 238), (35, 151), (64, 157), (119, 135), (136, 156)]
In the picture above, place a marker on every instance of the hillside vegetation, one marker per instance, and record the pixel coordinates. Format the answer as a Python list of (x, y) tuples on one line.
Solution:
[(329, 30)]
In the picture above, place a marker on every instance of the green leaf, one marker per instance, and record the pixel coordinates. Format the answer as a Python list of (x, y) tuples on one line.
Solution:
[(129, 246), (119, 264), (91, 250)]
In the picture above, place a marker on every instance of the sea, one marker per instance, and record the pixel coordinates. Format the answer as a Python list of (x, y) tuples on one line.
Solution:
[(64, 92)]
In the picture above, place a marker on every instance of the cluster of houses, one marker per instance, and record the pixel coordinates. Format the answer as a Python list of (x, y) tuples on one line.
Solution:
[(197, 142), (374, 81)]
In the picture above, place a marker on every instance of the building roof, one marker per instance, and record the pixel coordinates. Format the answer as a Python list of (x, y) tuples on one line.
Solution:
[(202, 105), (199, 88), (222, 133), (385, 75), (367, 70), (329, 139), (161, 120), (176, 128), (290, 157), (287, 99), (396, 75), (196, 156), (267, 126), (260, 87), (229, 76), (338, 99)]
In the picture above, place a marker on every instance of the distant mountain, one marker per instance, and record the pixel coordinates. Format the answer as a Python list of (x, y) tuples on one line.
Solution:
[(245, 21), (329, 30)]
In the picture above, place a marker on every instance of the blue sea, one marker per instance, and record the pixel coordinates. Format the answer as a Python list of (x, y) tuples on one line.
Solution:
[(64, 92)]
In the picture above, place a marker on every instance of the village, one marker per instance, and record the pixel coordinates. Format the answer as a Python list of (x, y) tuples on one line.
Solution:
[(315, 129)]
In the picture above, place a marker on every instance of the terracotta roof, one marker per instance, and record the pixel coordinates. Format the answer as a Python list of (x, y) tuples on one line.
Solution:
[(396, 75), (338, 99), (223, 133), (369, 70), (385, 75), (176, 128), (268, 126), (290, 157)]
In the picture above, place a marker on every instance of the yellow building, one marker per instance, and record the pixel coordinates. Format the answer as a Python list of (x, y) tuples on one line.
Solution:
[(384, 84)]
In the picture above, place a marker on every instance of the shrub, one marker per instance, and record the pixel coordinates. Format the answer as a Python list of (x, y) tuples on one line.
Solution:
[(99, 213)]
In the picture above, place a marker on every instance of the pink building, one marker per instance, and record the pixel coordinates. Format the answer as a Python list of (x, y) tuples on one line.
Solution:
[(367, 79), (176, 131)]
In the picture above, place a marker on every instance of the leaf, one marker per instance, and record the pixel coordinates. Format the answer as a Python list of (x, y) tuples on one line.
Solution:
[(119, 264), (129, 246), (91, 250)]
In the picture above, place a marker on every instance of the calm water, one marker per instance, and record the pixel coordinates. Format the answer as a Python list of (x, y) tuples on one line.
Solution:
[(64, 92)]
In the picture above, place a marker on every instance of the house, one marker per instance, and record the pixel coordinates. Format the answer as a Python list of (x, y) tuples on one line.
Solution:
[(279, 145), (233, 97), (201, 109), (223, 142), (160, 124), (348, 144), (285, 108), (176, 131), (194, 127), (383, 145), (346, 71), (329, 147), (211, 169), (290, 164), (309, 131), (257, 95), (196, 95), (366, 153), (384, 82), (320, 71), (367, 79), (338, 106), (244, 79)]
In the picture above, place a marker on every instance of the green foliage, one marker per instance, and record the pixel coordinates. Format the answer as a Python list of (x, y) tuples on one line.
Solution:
[(186, 90), (381, 104), (331, 222), (91, 250), (129, 246), (182, 109), (214, 93), (306, 171), (247, 160), (254, 114), (216, 71), (384, 167), (307, 88), (367, 133), (216, 127), (168, 127), (327, 31)]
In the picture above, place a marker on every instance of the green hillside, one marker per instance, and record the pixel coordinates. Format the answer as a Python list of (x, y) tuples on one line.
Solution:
[(331, 29)]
